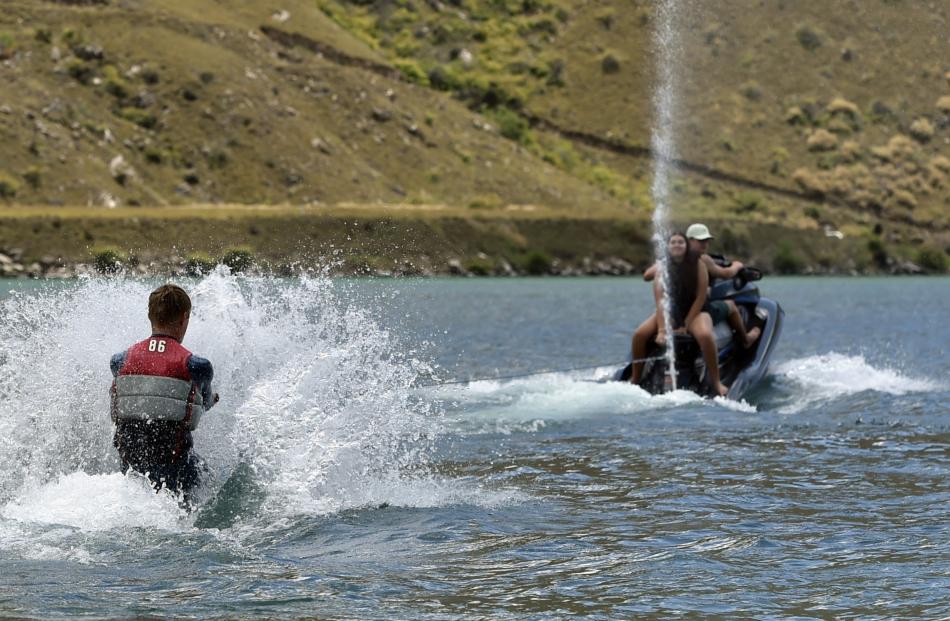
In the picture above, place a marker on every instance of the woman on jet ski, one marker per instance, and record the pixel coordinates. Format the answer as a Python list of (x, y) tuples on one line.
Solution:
[(689, 280)]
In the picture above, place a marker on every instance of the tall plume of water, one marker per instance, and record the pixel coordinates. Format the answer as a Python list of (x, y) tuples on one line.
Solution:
[(667, 51)]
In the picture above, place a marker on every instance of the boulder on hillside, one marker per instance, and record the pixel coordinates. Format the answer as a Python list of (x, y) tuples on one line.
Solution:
[(120, 170), (943, 104), (89, 52)]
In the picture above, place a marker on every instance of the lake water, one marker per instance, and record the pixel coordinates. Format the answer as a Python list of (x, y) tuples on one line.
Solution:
[(346, 485)]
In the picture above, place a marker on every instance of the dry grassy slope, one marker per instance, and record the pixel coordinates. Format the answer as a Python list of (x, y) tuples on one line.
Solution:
[(744, 66), (236, 117)]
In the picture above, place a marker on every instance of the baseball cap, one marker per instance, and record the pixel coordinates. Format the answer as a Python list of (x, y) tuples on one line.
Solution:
[(698, 231)]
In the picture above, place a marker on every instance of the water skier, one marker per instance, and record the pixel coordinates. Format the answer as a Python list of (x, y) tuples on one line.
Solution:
[(159, 393)]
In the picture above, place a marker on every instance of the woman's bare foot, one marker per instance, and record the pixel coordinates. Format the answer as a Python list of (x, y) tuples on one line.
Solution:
[(722, 389), (752, 336)]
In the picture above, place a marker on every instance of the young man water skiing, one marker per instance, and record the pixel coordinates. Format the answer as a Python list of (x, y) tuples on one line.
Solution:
[(159, 393)]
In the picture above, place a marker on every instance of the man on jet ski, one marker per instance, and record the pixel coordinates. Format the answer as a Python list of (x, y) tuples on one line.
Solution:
[(159, 393), (699, 237)]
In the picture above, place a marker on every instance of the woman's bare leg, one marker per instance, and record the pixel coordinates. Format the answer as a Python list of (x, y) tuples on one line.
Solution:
[(644, 334)]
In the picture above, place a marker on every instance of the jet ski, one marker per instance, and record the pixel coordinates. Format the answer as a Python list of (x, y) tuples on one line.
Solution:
[(739, 368)]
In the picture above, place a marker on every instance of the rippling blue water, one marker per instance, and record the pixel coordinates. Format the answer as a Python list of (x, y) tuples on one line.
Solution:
[(344, 489)]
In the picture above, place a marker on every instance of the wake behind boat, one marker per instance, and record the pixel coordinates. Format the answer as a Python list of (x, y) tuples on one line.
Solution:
[(739, 368)]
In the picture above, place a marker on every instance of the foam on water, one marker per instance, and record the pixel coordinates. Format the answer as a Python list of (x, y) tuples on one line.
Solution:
[(530, 404), (315, 401), (97, 502), (829, 376)]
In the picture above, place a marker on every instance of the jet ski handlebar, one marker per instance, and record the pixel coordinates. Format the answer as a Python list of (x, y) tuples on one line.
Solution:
[(746, 275)]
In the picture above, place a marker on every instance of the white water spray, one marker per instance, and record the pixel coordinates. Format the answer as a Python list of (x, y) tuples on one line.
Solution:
[(667, 50), (315, 398)]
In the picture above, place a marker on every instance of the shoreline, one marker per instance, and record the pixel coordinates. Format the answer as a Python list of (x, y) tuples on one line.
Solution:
[(399, 240)]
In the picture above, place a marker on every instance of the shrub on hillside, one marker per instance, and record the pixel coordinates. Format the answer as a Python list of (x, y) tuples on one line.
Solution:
[(480, 266), (610, 64), (154, 155), (139, 117), (198, 264), (905, 198), (898, 148), (811, 183), (113, 82), (512, 126), (238, 259), (787, 261), (107, 260), (797, 116), (33, 176), (932, 259), (72, 37), (748, 202), (487, 201), (840, 106), (7, 45), (537, 263), (878, 252), (150, 76), (822, 140), (412, 71), (751, 90), (80, 71), (922, 130), (851, 150), (442, 79), (8, 186), (808, 38)]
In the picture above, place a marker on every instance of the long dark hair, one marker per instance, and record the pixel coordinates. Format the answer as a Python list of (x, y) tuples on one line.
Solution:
[(683, 278)]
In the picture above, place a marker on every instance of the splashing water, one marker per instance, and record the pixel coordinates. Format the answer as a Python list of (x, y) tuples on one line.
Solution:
[(531, 404), (315, 398), (663, 140), (824, 377)]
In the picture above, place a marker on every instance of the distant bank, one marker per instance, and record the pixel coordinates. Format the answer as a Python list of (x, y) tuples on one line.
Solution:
[(403, 240)]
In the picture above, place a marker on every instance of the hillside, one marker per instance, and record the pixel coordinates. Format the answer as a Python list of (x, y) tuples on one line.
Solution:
[(805, 116), (846, 104), (176, 102)]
